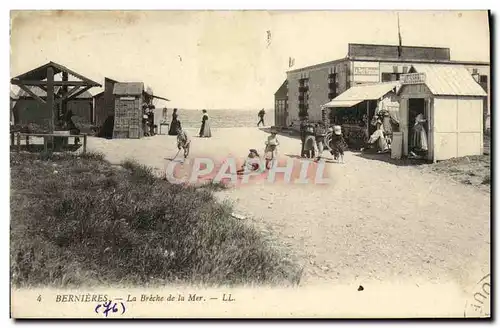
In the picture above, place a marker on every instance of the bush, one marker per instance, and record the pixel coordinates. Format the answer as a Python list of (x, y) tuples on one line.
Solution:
[(92, 224)]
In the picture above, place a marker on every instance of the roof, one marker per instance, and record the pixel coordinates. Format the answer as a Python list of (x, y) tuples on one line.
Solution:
[(128, 88), (362, 92), (392, 52), (40, 74), (42, 94), (446, 80), (282, 92)]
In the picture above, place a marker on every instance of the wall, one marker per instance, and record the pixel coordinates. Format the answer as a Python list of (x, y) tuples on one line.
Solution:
[(364, 72), (457, 127), (318, 88), (108, 104), (31, 111), (484, 70), (128, 118), (280, 112)]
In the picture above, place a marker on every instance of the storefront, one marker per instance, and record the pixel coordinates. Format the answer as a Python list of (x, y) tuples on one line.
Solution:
[(441, 112), (355, 108)]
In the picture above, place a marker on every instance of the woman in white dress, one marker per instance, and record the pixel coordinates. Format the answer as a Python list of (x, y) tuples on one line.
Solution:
[(205, 131)]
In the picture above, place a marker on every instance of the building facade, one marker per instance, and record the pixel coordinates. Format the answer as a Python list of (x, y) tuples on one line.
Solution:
[(280, 105), (311, 87)]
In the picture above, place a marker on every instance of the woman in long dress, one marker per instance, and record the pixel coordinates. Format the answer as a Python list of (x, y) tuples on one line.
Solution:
[(205, 131), (419, 140), (175, 124)]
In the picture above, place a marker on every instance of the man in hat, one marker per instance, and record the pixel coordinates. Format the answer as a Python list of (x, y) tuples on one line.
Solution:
[(261, 114)]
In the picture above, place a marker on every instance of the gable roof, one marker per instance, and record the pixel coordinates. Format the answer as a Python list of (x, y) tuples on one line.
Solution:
[(449, 80), (282, 92), (40, 74)]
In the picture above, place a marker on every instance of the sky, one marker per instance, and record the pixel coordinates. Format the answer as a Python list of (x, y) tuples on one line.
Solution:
[(222, 59)]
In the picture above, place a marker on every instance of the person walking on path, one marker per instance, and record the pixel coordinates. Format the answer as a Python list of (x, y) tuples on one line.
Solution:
[(205, 131), (261, 114)]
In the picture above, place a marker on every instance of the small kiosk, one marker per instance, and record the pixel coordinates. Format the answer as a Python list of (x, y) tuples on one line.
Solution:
[(447, 103)]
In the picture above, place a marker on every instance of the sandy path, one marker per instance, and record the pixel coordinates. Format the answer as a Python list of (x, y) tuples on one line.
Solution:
[(374, 221)]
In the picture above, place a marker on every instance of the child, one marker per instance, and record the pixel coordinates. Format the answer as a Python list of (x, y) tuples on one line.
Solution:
[(272, 144), (251, 163), (338, 144), (183, 141)]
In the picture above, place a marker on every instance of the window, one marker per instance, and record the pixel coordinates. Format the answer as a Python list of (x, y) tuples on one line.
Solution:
[(483, 78), (405, 69), (474, 71)]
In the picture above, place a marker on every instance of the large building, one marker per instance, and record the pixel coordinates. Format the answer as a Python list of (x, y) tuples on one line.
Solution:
[(311, 87)]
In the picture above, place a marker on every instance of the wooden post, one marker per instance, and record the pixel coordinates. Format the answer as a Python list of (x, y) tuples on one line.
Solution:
[(84, 143), (64, 103), (18, 142), (50, 97), (368, 118)]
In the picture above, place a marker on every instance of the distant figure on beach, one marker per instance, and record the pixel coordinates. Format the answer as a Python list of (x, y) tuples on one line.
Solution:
[(205, 131), (261, 114), (175, 124)]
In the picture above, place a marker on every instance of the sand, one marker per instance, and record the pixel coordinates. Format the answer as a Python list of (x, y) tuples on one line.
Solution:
[(374, 221)]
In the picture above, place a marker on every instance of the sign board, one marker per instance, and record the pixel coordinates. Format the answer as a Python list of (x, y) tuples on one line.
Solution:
[(366, 70), (363, 72), (413, 78)]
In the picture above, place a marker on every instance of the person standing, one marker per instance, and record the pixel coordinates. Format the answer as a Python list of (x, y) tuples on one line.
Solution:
[(205, 131), (303, 124), (320, 132), (261, 114), (175, 124)]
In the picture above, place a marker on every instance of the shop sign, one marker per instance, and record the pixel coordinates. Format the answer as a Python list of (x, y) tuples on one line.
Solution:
[(366, 70), (413, 78)]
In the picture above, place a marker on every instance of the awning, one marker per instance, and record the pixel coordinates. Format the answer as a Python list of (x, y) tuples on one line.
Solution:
[(361, 92), (342, 103)]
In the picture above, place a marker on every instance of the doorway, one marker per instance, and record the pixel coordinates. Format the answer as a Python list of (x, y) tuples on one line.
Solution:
[(416, 145)]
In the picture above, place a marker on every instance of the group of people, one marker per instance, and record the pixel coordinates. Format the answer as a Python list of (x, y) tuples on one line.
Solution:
[(313, 138), (205, 131)]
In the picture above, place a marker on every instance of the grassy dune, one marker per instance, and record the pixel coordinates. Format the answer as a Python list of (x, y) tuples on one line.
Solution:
[(79, 221)]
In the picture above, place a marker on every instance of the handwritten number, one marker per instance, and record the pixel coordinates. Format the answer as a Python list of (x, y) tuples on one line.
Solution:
[(39, 298)]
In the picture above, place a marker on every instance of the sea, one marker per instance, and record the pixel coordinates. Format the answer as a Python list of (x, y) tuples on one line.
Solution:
[(221, 118)]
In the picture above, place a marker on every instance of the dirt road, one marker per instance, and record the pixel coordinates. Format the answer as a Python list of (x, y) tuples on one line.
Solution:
[(374, 221)]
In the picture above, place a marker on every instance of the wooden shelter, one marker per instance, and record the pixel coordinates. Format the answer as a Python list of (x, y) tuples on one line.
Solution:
[(131, 102), (55, 102), (451, 101)]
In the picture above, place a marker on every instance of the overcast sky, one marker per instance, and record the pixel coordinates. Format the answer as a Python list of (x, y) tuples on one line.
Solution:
[(222, 59)]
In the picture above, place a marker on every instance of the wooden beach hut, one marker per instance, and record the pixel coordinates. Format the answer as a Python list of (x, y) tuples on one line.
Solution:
[(452, 103)]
